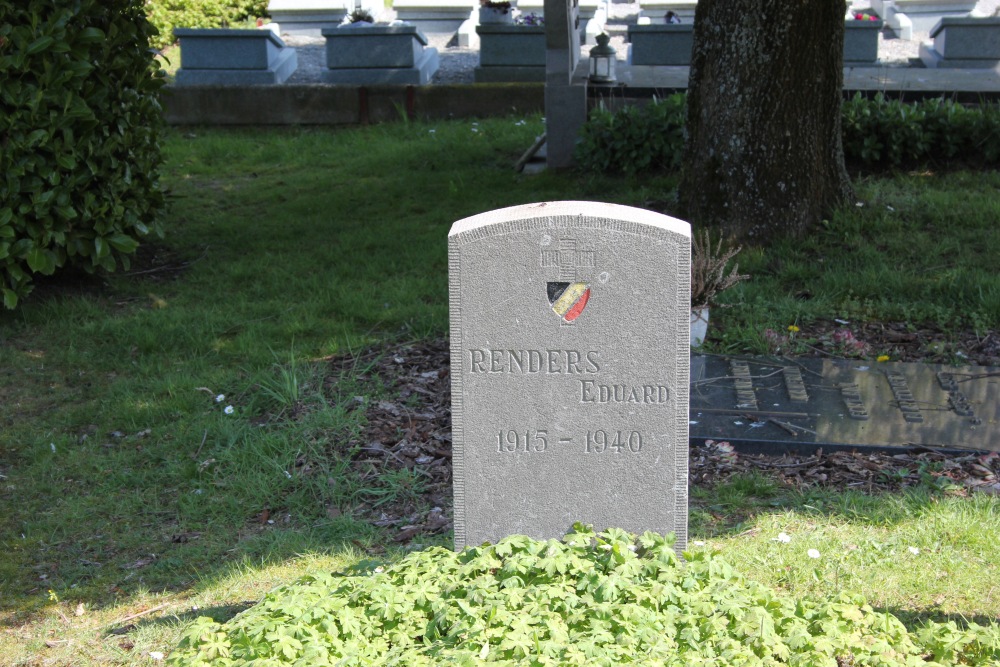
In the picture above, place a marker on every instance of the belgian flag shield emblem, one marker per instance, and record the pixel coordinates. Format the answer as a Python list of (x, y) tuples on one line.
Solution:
[(568, 299)]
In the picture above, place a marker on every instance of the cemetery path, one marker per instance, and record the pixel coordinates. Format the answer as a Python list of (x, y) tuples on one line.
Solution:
[(407, 436)]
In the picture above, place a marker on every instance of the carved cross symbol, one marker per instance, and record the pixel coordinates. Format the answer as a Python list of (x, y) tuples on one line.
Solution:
[(568, 258)]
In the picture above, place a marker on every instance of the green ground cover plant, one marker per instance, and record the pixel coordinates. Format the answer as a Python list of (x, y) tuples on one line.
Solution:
[(175, 444), (591, 599)]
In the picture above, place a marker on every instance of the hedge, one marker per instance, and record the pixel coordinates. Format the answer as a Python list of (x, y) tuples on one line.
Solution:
[(79, 129)]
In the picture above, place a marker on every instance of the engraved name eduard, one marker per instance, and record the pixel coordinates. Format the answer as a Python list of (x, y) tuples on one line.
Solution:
[(567, 362)]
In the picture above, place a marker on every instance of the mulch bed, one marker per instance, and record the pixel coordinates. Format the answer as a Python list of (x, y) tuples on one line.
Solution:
[(412, 432)]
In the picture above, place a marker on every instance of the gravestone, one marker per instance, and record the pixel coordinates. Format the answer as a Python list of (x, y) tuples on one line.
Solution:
[(777, 405), (968, 42), (363, 54), (223, 56), (569, 362)]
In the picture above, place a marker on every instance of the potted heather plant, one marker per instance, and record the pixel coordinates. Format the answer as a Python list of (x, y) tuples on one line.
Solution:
[(708, 279)]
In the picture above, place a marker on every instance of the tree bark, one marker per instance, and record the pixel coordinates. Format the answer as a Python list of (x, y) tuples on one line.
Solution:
[(764, 156)]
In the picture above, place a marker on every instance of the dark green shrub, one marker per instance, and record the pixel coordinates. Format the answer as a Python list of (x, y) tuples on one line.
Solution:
[(634, 139), (889, 133), (876, 133), (79, 129), (169, 14)]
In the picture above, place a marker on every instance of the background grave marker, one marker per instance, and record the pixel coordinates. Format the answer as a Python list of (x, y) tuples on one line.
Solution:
[(772, 404)]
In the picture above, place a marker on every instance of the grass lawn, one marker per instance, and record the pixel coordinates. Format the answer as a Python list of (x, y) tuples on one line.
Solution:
[(175, 440)]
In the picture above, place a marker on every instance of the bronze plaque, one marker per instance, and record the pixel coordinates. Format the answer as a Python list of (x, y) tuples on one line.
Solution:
[(801, 404)]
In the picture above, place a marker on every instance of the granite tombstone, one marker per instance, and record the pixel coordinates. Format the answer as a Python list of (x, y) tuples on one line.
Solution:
[(570, 360)]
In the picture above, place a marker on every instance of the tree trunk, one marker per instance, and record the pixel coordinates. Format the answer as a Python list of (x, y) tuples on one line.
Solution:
[(764, 156)]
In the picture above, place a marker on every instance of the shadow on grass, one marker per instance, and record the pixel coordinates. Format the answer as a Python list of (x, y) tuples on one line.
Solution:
[(115, 583), (731, 507), (914, 619), (219, 614)]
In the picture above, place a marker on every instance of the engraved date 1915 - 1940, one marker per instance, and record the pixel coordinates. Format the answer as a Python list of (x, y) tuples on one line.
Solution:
[(510, 441)]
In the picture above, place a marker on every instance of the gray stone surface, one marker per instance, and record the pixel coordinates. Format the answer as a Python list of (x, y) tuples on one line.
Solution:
[(373, 46), (510, 53), (861, 42), (233, 57), (557, 418), (421, 72), (565, 89), (660, 44), (223, 48), (503, 45), (966, 42)]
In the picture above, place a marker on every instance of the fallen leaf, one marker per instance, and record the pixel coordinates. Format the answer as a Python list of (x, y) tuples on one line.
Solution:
[(406, 533)]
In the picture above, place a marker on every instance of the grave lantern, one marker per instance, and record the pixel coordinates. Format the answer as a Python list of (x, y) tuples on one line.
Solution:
[(602, 61)]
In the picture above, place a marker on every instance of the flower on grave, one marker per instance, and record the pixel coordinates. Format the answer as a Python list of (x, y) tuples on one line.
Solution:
[(531, 19), (861, 16), (775, 341), (813, 553), (847, 345), (229, 410), (882, 358)]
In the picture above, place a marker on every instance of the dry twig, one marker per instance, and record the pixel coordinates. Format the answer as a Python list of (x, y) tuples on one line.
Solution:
[(708, 270)]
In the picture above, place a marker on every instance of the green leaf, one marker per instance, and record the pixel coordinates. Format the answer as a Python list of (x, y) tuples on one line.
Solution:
[(40, 261), (90, 35), (123, 243), (9, 299), (39, 45)]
